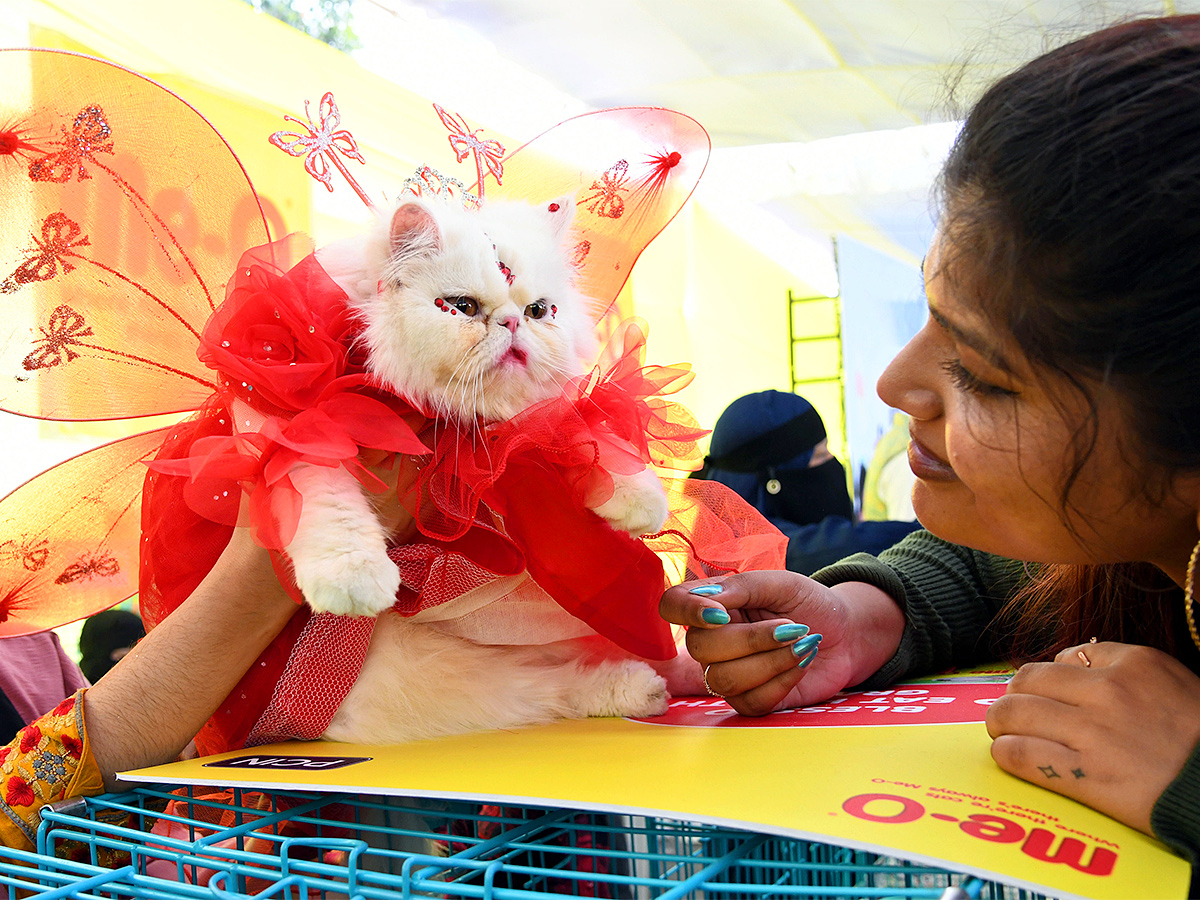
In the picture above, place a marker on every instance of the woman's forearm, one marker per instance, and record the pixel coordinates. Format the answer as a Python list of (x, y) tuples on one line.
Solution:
[(147, 708), (876, 629)]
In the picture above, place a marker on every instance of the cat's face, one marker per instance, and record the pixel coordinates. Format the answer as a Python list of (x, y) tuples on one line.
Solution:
[(475, 313)]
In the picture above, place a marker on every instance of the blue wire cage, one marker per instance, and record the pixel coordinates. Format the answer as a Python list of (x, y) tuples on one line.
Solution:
[(225, 845)]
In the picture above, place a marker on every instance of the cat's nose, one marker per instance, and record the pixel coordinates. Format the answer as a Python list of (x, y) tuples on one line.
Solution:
[(510, 322)]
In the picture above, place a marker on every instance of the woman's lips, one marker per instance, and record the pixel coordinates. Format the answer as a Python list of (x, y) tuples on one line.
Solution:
[(925, 465)]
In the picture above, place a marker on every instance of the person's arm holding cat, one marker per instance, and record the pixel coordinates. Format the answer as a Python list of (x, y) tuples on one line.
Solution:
[(150, 705)]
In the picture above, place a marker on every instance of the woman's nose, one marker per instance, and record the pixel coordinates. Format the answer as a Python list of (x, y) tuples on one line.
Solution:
[(910, 382)]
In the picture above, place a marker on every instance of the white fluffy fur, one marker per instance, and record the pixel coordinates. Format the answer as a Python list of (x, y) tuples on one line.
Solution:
[(419, 681)]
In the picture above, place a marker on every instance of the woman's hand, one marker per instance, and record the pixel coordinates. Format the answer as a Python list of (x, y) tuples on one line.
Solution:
[(1109, 724), (757, 663)]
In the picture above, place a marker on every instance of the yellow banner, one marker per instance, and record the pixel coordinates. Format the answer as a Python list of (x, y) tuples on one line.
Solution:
[(916, 781)]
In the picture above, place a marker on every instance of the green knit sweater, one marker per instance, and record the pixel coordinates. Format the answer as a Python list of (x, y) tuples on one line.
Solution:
[(949, 595)]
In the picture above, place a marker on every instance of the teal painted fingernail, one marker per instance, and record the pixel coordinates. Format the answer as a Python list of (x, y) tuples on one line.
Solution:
[(706, 590), (713, 616), (802, 646), (803, 664), (790, 632)]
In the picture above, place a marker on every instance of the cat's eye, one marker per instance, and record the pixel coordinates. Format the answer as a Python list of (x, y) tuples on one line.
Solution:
[(537, 309), (468, 306)]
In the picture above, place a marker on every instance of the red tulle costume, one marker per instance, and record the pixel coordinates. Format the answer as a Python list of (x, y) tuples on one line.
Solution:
[(117, 267)]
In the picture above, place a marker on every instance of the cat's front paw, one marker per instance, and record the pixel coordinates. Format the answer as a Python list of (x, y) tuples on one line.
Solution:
[(638, 504), (630, 688), (354, 583)]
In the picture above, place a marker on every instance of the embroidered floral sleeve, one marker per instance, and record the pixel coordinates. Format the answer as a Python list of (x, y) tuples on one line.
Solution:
[(48, 760)]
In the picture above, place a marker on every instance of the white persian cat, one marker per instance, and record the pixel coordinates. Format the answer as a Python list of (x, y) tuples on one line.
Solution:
[(448, 329)]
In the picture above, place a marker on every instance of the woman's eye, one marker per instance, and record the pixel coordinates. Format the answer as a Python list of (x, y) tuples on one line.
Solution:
[(537, 309), (966, 380), (468, 306)]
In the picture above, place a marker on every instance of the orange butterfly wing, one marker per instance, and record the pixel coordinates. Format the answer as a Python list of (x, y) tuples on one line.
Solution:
[(125, 214), (630, 171), (61, 560)]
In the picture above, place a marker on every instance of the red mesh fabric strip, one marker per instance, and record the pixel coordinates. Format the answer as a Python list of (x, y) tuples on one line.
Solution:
[(322, 668)]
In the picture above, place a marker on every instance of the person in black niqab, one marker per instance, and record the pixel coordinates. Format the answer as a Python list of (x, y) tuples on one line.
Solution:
[(771, 448)]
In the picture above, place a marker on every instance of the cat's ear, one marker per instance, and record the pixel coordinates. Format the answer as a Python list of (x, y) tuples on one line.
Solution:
[(414, 231), (561, 213)]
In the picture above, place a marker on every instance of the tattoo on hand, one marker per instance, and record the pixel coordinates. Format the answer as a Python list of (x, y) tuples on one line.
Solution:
[(1049, 772), (1078, 773)]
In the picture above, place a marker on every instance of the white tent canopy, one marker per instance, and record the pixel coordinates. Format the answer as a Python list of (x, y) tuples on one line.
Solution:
[(779, 76)]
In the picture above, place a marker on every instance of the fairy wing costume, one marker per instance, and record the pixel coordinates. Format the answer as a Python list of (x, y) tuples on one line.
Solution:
[(141, 278), (124, 212)]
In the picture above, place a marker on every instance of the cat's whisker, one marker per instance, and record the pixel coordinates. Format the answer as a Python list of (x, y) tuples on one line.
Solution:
[(476, 398), (470, 397), (457, 369), (459, 390), (486, 446), (453, 383), (558, 367)]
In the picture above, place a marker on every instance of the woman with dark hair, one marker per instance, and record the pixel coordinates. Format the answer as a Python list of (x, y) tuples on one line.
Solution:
[(1054, 396)]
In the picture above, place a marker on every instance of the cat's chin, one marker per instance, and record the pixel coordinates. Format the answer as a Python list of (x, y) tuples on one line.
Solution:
[(514, 357), (506, 400)]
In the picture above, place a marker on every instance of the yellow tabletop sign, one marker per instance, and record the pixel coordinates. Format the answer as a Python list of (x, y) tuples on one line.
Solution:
[(854, 771)]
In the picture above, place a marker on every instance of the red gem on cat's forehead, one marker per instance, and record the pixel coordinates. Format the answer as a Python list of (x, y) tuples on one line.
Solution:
[(673, 159), (554, 207)]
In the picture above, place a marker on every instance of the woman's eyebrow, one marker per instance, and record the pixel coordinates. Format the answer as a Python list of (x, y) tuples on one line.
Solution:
[(972, 340)]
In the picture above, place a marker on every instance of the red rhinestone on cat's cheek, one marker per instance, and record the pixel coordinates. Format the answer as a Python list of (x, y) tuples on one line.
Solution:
[(453, 311), (554, 207), (553, 310), (439, 303)]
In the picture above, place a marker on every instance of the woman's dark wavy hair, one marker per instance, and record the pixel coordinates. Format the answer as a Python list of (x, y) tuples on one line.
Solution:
[(1075, 186)]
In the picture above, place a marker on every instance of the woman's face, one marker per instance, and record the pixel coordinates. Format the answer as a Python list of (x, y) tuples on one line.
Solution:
[(991, 445)]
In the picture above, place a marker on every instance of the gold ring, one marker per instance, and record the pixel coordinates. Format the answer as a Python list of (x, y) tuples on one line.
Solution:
[(1087, 662), (708, 687)]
